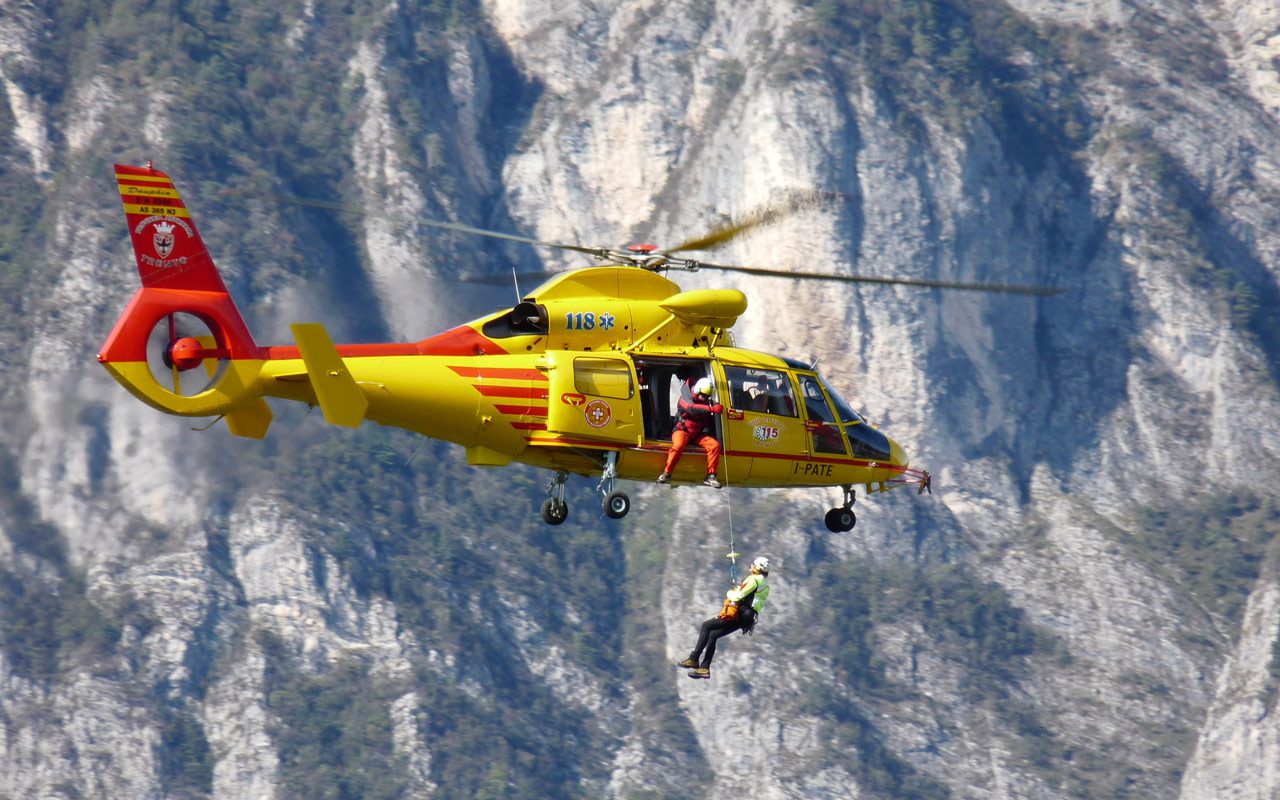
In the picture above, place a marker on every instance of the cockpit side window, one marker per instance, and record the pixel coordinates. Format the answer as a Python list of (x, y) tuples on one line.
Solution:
[(762, 391), (822, 422), (814, 401)]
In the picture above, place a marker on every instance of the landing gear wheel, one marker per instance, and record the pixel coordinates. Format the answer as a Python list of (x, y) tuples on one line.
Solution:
[(616, 505), (839, 520), (554, 511), (554, 508)]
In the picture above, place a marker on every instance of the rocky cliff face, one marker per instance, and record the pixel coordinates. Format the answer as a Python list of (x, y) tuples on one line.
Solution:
[(1085, 607)]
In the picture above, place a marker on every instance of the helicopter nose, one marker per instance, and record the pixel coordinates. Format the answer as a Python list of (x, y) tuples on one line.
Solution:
[(898, 456)]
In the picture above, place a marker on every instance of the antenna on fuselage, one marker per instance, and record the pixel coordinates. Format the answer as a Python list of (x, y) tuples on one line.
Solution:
[(516, 281)]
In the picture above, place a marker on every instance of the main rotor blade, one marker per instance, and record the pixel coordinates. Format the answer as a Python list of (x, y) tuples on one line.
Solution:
[(457, 227), (1037, 291), (501, 280), (792, 203)]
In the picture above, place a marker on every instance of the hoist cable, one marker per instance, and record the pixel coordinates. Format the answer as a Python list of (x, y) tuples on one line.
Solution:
[(732, 555)]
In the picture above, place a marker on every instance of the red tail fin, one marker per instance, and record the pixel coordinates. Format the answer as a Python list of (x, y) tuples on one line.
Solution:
[(178, 275), (170, 253), (182, 318)]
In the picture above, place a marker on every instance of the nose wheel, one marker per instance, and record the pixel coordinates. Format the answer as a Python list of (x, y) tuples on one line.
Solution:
[(554, 509), (842, 519)]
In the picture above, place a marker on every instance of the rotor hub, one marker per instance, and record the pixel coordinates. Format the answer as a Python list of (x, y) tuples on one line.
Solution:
[(186, 353)]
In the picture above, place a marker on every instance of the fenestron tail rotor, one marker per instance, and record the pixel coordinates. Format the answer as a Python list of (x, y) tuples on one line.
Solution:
[(178, 344)]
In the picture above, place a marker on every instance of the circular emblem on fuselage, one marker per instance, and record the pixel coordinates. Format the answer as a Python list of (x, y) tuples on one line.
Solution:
[(766, 431), (598, 413)]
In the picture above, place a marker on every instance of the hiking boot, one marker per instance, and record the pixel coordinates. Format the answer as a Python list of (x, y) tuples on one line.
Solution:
[(712, 482), (688, 663), (700, 672), (664, 477)]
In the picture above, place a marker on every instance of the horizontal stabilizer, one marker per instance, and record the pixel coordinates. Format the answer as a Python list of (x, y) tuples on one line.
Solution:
[(251, 422), (340, 398)]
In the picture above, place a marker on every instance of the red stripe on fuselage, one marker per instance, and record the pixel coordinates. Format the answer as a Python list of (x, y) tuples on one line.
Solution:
[(460, 341), (500, 373), (791, 457), (662, 448), (854, 462), (531, 392), (529, 410), (564, 441), (289, 351)]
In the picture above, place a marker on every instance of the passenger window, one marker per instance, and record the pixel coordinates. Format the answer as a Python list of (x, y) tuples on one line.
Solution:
[(760, 390), (603, 377)]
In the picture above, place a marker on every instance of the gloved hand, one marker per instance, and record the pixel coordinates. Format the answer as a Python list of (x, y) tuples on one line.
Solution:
[(717, 409)]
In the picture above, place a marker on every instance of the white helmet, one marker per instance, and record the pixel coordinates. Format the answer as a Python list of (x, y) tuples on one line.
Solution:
[(704, 386), (761, 564)]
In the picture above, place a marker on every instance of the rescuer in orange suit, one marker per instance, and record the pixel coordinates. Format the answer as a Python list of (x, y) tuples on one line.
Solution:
[(696, 411)]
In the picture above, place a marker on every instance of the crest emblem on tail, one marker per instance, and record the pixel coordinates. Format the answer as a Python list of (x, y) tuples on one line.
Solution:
[(162, 239)]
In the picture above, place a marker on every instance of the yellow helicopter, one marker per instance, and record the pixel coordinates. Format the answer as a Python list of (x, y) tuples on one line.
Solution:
[(582, 376)]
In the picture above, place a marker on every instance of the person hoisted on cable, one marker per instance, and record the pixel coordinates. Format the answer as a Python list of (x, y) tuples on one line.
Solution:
[(742, 605), (697, 412)]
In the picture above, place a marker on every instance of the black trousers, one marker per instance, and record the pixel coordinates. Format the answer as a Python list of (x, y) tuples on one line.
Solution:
[(710, 631)]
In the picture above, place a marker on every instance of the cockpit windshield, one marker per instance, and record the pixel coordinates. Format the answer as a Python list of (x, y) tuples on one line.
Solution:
[(846, 412), (866, 441)]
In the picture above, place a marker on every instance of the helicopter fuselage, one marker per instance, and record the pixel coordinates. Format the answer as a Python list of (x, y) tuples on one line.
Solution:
[(564, 410), (582, 376)]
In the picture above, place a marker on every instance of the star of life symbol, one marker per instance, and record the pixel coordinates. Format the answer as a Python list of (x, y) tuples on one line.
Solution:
[(607, 321), (162, 239)]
